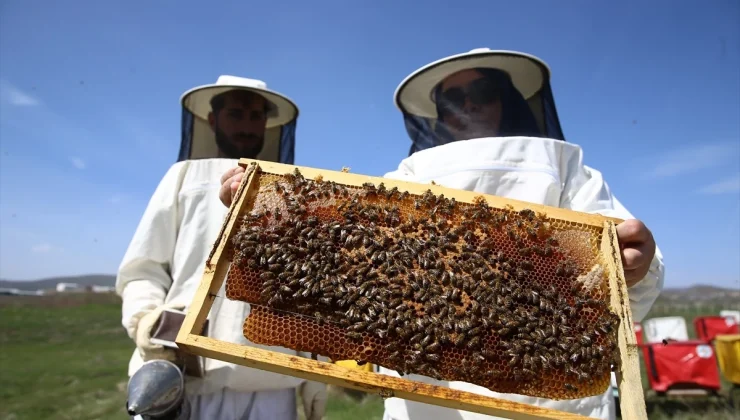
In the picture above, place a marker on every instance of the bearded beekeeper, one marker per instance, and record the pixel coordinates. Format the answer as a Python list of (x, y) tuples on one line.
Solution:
[(486, 121), (162, 268)]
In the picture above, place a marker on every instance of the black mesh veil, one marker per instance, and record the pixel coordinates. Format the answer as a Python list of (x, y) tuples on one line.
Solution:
[(533, 116), (198, 139), (279, 141)]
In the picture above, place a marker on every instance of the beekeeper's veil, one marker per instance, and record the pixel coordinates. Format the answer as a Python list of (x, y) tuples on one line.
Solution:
[(520, 81), (198, 139)]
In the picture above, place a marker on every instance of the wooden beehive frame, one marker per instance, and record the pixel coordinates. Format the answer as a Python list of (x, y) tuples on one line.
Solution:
[(190, 339)]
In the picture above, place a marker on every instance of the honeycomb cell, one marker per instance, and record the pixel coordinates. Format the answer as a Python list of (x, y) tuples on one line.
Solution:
[(422, 284)]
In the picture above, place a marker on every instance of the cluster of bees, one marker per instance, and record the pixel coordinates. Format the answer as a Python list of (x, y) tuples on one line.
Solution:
[(453, 291)]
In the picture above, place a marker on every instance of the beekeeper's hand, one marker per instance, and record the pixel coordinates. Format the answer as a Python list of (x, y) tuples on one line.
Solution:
[(230, 181), (146, 348), (638, 249), (314, 397)]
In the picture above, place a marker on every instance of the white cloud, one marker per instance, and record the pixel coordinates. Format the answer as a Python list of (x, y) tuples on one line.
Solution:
[(77, 162), (15, 96), (41, 248), (726, 186), (694, 158)]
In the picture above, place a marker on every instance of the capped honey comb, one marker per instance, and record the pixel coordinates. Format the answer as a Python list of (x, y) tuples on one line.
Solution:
[(421, 284)]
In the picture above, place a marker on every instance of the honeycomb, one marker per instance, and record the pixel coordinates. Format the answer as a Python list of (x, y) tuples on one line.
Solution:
[(509, 300)]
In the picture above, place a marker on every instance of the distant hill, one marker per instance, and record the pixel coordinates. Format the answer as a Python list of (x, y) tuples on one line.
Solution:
[(51, 283), (692, 294), (701, 294)]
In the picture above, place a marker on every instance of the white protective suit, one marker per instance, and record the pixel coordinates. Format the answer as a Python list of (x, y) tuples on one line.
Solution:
[(537, 170), (164, 264)]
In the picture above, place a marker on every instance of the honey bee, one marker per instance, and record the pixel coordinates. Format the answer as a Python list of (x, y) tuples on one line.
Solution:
[(455, 294), (432, 357), (474, 331), (526, 343), (416, 338), (527, 361), (474, 342), (275, 300), (558, 360), (433, 347), (586, 353), (527, 213), (434, 373), (488, 353), (427, 341), (598, 351), (574, 357), (353, 335), (544, 361), (510, 323), (514, 360), (478, 358)]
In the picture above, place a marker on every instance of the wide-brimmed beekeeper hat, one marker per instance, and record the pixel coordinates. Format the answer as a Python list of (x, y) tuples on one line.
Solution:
[(529, 75), (198, 139)]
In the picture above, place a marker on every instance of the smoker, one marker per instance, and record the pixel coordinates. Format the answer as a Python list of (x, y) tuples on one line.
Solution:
[(157, 390)]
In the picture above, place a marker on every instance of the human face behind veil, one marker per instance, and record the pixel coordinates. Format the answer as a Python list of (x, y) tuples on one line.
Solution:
[(481, 102), (238, 120), (470, 105)]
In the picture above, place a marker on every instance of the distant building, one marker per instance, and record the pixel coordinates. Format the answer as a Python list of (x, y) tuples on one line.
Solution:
[(18, 292), (103, 289), (69, 287), (77, 288)]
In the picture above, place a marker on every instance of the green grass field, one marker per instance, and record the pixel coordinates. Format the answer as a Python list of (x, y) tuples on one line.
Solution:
[(65, 357)]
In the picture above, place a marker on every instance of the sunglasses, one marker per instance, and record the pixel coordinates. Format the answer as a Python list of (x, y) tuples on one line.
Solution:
[(479, 92)]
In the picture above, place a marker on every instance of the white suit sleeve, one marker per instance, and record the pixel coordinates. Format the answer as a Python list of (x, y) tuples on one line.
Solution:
[(586, 191), (144, 274), (403, 172)]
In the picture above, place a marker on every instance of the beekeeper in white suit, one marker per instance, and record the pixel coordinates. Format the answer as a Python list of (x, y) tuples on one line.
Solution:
[(222, 122), (486, 121)]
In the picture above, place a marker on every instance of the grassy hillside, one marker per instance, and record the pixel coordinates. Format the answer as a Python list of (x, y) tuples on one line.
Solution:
[(62, 358), (65, 357)]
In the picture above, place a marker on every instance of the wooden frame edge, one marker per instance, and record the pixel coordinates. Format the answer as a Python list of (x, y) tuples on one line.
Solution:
[(189, 337), (591, 219), (629, 381), (214, 276), (385, 385)]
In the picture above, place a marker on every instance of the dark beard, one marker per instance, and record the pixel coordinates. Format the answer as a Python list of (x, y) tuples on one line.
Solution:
[(237, 151)]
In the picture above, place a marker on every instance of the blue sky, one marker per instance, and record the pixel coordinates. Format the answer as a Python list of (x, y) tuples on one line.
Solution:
[(89, 117)]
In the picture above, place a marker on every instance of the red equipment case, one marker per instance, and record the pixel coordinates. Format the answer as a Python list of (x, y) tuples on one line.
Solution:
[(707, 327), (681, 365)]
